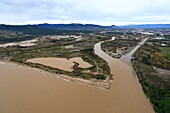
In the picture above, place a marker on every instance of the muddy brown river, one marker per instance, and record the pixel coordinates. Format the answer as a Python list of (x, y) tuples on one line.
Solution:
[(27, 90)]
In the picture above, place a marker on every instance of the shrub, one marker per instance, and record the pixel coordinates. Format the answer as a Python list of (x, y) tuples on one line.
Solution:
[(146, 60), (100, 76)]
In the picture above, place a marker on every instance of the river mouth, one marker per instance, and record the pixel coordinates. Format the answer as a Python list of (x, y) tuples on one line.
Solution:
[(26, 90), (61, 63)]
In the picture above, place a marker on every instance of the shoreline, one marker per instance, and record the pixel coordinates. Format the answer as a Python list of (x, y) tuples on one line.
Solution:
[(98, 85), (104, 55)]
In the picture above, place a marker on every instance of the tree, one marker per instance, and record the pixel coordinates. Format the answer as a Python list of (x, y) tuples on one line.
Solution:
[(146, 60)]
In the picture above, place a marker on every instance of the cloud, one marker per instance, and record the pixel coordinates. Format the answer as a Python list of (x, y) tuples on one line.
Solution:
[(104, 12)]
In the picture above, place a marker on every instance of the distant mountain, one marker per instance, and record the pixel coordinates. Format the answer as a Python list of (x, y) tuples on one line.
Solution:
[(28, 29), (90, 27), (43, 29), (147, 26), (55, 28)]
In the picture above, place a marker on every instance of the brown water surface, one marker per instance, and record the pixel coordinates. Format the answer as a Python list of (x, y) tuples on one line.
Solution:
[(26, 90), (61, 63)]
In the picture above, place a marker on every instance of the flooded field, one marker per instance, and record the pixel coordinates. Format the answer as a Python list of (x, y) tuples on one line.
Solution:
[(26, 43), (61, 63), (27, 90)]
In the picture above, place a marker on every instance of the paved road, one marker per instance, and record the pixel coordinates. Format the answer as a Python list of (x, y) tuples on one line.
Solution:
[(127, 57)]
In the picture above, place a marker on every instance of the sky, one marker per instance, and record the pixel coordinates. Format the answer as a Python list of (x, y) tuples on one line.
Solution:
[(102, 12)]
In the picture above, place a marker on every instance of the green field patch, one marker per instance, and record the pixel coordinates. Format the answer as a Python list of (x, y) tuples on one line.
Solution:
[(166, 51)]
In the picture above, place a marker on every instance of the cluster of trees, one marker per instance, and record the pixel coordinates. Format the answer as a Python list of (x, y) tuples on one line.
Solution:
[(154, 86), (146, 60), (159, 97)]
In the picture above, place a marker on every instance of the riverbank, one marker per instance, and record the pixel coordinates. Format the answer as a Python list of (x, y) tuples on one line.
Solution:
[(155, 84), (125, 84), (99, 85)]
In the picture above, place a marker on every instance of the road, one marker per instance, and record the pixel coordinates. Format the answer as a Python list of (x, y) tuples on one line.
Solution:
[(127, 57)]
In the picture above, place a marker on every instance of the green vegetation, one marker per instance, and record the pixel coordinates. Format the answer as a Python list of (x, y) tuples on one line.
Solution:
[(146, 60), (155, 85), (100, 76), (56, 48), (166, 51), (13, 36), (8, 40), (118, 47), (160, 97), (152, 55)]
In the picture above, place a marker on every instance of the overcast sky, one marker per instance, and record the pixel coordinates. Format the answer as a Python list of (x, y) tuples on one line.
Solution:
[(102, 12)]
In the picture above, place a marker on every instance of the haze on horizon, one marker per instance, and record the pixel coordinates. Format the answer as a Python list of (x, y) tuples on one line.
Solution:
[(102, 12)]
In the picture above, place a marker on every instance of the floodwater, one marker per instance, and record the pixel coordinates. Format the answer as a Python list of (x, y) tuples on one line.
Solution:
[(26, 90), (26, 43), (61, 63)]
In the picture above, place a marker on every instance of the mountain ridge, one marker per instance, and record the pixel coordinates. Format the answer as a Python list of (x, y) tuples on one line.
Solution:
[(46, 28), (147, 26)]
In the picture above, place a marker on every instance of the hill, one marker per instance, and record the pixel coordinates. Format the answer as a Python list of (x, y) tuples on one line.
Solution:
[(90, 27), (55, 28), (148, 26), (27, 29)]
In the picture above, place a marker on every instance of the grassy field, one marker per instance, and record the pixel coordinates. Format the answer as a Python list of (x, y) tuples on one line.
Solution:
[(166, 51)]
